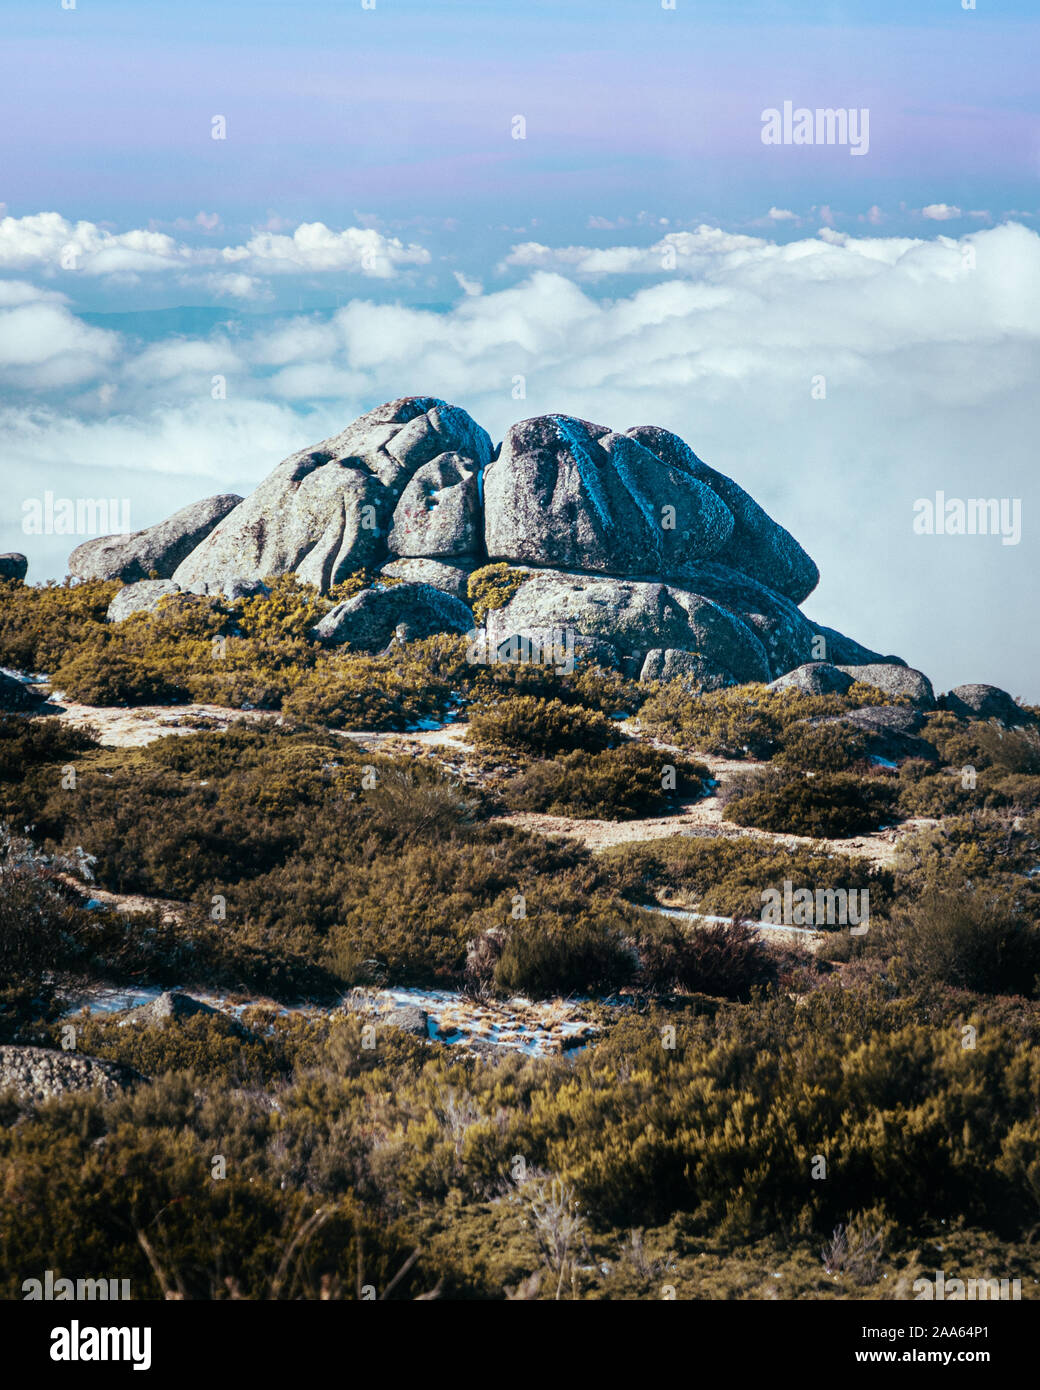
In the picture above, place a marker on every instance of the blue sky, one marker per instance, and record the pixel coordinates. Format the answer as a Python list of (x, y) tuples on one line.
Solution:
[(370, 228)]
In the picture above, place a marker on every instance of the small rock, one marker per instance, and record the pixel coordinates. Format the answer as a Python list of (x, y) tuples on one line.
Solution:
[(986, 702), (13, 565), (369, 620), (16, 696), (142, 597), (895, 680), (39, 1073)]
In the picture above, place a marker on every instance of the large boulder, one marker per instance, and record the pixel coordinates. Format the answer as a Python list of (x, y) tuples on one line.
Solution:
[(159, 548), (14, 695), (569, 494), (452, 578), (756, 545), (896, 681), (814, 678), (622, 620), (326, 511), (986, 702), (40, 1073), (439, 510), (13, 565), (406, 612), (142, 597), (698, 673)]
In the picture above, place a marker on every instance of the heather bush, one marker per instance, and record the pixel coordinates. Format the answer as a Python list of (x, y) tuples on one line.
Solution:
[(970, 940), (822, 747), (541, 726), (744, 721), (727, 959), (550, 954), (492, 587), (617, 784), (726, 876), (830, 805)]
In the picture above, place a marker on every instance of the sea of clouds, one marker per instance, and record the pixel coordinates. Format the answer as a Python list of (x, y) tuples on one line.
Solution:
[(838, 378)]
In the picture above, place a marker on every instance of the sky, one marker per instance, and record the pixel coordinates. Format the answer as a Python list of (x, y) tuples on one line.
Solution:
[(543, 207)]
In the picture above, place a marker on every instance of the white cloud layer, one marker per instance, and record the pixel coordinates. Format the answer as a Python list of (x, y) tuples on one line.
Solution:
[(837, 378), (49, 243)]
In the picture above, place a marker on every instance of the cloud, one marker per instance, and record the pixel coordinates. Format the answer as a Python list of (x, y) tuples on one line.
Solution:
[(314, 247), (940, 212), (686, 252), (468, 286), (929, 350), (49, 243), (43, 345), (782, 215)]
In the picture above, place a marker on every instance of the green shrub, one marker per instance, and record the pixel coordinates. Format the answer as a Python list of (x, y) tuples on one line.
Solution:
[(618, 784), (727, 959), (492, 587), (830, 805), (744, 721), (26, 743), (969, 940), (726, 876), (822, 747), (103, 675), (541, 726), (549, 955)]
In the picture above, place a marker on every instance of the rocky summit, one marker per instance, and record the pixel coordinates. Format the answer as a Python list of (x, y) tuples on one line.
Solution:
[(656, 563)]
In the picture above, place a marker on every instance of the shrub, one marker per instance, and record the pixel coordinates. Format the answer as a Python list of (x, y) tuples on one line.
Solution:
[(103, 675), (727, 959), (550, 955), (618, 784), (744, 721), (541, 726), (831, 805), (968, 940), (26, 743), (822, 747), (727, 876), (491, 587)]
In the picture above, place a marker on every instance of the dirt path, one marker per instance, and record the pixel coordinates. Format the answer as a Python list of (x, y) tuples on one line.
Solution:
[(133, 728), (130, 728)]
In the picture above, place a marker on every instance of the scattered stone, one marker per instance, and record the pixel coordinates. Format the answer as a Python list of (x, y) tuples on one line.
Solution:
[(814, 678), (40, 1073), (895, 680), (142, 597), (170, 1007), (14, 695), (13, 565), (986, 702), (409, 1018), (371, 619)]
